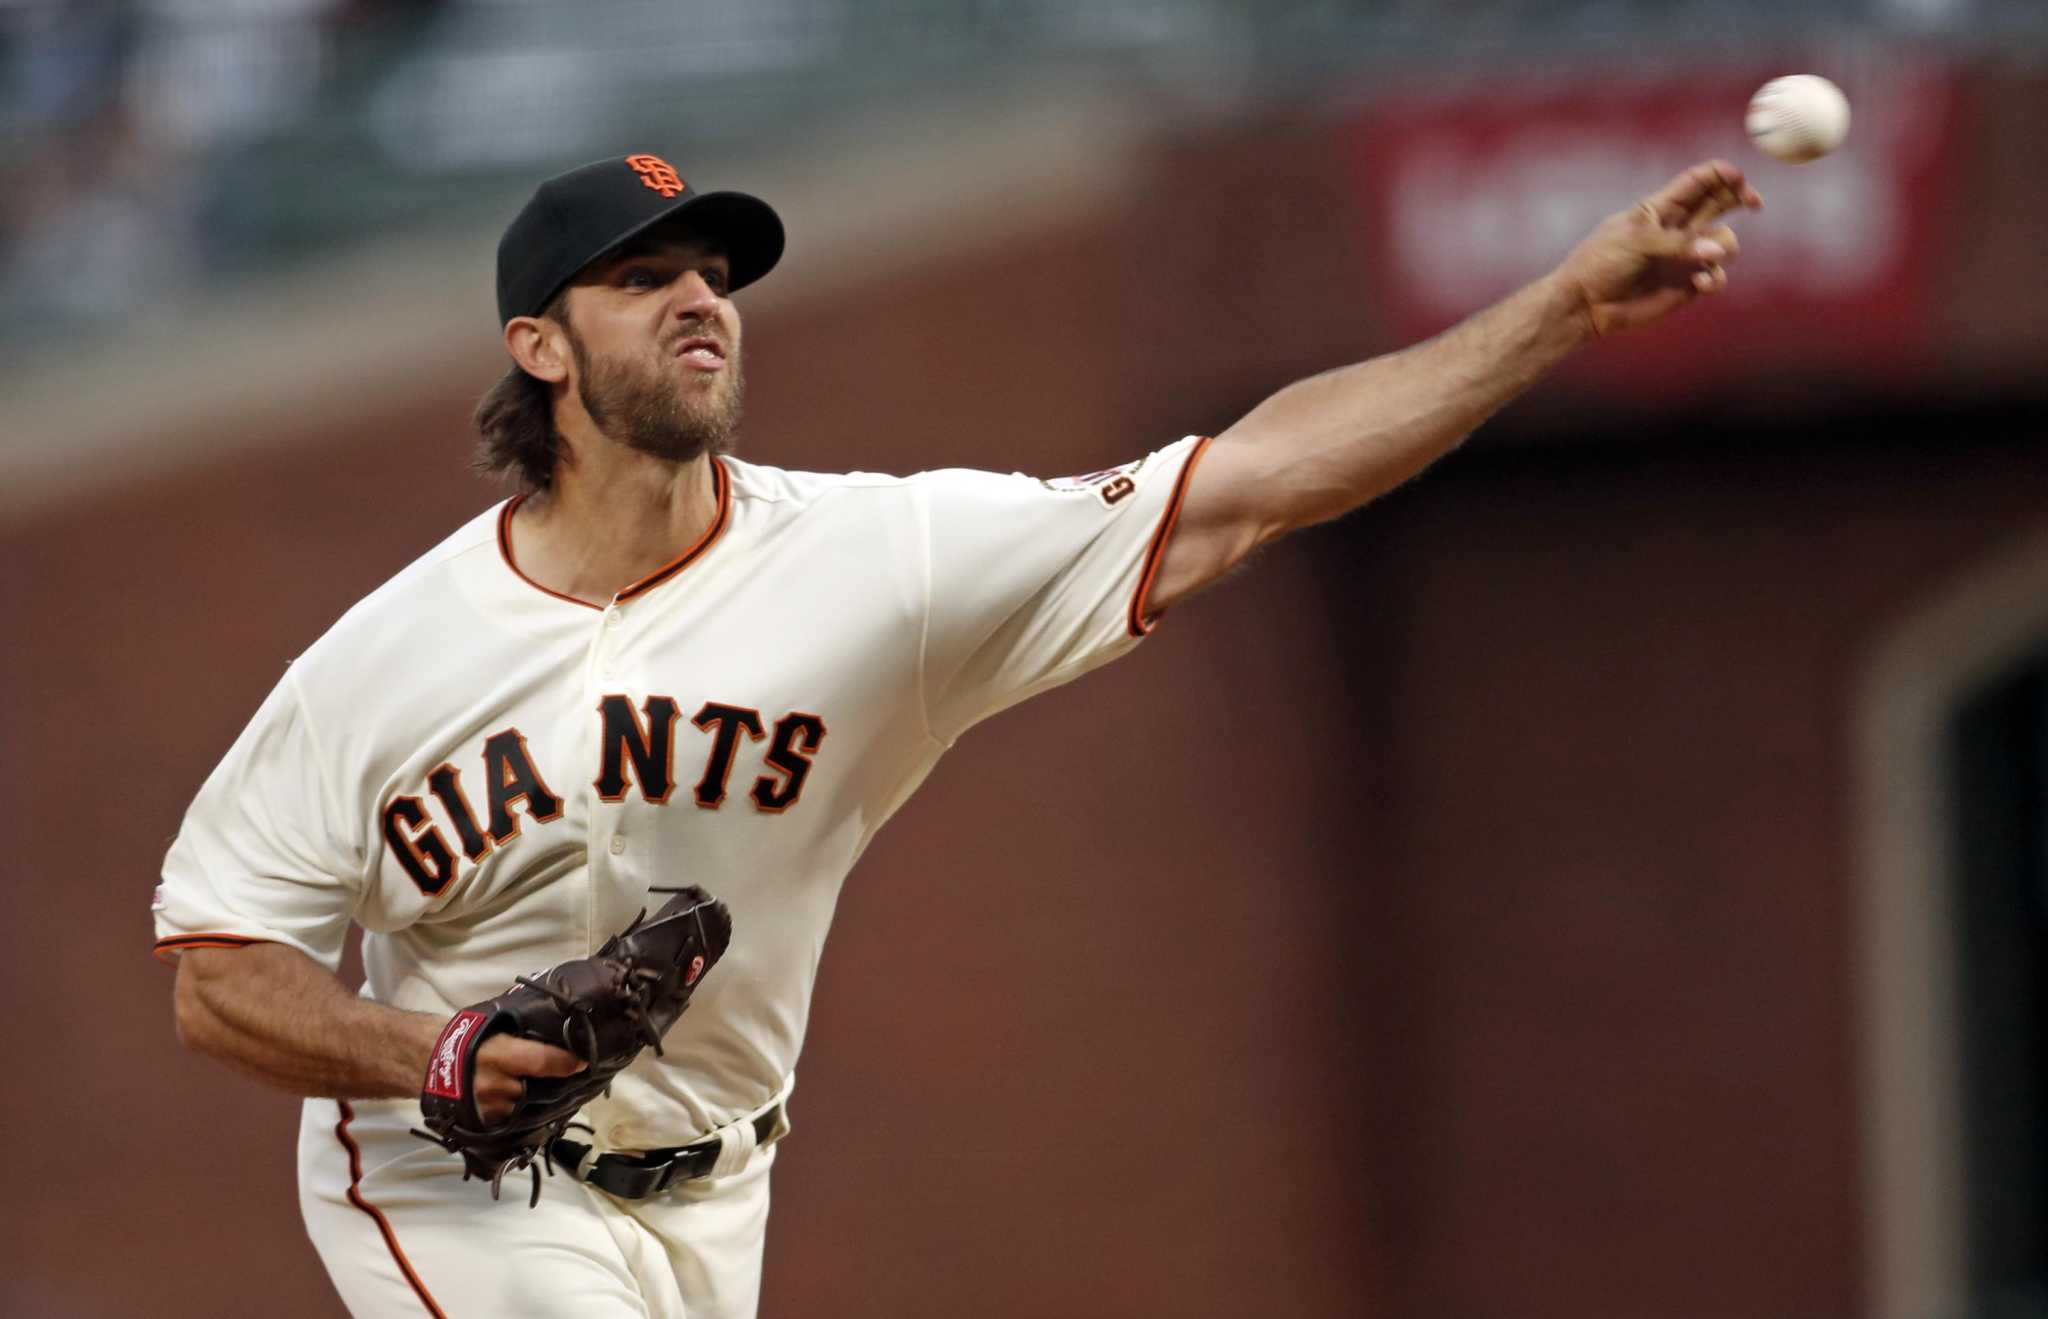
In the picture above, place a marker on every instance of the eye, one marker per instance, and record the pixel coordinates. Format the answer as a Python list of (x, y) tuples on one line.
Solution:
[(719, 281), (639, 277)]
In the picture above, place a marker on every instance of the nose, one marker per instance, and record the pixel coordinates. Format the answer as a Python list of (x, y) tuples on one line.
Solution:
[(694, 296)]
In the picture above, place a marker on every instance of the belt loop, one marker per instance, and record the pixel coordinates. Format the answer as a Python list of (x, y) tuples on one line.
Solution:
[(573, 1157), (736, 1142)]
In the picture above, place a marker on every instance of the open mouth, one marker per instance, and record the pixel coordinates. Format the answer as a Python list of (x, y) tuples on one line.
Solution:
[(706, 354)]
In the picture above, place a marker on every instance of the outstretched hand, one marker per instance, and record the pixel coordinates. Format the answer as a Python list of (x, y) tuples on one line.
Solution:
[(1642, 264)]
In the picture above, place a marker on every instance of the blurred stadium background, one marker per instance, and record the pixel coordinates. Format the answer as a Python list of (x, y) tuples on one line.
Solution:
[(1606, 878)]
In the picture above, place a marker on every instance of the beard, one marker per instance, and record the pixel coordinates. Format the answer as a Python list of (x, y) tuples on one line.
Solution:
[(644, 403)]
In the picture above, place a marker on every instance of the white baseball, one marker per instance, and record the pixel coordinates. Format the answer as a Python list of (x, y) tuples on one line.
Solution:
[(1798, 118)]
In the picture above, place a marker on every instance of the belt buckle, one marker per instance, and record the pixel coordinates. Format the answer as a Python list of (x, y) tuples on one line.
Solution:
[(614, 1173), (667, 1177)]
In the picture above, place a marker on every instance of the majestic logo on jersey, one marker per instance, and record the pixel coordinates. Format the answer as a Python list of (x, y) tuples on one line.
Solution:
[(657, 174), (445, 1070), (636, 749)]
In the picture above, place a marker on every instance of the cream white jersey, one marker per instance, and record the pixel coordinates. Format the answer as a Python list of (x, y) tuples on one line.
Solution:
[(488, 777)]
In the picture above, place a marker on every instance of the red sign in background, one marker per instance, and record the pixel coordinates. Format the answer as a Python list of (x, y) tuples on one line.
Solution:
[(1471, 191)]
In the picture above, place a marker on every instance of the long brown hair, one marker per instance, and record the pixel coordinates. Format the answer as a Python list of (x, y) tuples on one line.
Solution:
[(515, 424)]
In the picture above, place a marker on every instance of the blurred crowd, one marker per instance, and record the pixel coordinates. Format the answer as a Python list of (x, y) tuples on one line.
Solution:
[(117, 120), (151, 146)]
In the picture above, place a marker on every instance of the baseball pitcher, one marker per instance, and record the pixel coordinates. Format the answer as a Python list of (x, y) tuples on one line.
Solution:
[(594, 825)]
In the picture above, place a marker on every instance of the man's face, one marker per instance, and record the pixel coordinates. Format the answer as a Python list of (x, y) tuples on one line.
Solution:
[(657, 348)]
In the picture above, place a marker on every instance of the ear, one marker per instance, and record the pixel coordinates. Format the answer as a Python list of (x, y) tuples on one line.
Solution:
[(540, 348)]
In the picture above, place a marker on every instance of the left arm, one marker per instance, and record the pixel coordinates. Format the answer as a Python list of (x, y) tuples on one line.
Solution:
[(1328, 444)]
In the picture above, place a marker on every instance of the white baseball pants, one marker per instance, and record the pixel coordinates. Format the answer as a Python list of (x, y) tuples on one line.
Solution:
[(402, 1234)]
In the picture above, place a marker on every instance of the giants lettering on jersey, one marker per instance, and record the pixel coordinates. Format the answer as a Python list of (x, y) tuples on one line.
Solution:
[(637, 750)]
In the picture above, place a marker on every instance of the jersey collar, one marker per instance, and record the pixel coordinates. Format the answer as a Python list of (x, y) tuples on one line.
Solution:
[(722, 485)]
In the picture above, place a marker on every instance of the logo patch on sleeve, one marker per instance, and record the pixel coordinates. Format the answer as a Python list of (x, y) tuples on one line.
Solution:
[(1112, 485)]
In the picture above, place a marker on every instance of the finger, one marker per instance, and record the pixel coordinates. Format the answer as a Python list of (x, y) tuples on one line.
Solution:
[(499, 1087), (1708, 250), (1711, 280), (1702, 194), (497, 1095), (1675, 203), (1684, 247), (1736, 195), (1727, 196), (1724, 237), (518, 1057), (555, 1062)]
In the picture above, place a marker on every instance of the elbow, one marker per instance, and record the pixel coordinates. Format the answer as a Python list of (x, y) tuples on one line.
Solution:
[(1245, 541)]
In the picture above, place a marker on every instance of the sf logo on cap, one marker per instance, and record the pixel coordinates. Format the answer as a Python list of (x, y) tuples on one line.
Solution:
[(657, 174)]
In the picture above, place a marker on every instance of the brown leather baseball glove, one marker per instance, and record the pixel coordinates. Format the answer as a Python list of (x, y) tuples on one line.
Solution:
[(603, 1008)]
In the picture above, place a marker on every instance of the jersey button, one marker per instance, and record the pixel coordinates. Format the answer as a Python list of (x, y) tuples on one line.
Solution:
[(618, 844), (611, 618)]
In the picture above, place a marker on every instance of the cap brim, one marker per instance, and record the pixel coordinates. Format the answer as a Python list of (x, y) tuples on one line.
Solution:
[(745, 226)]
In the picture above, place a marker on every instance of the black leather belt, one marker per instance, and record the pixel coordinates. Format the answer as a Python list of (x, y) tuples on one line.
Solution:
[(637, 1176)]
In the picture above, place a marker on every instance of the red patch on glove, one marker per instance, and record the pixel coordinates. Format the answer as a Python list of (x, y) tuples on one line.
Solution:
[(448, 1069)]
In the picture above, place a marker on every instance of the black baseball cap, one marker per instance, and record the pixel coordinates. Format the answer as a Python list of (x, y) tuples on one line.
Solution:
[(576, 217)]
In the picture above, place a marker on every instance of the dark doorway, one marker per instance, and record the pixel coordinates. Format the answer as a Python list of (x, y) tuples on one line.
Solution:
[(1998, 760)]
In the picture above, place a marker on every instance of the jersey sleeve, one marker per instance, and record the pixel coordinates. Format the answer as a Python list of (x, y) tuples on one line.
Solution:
[(1033, 583), (262, 855)]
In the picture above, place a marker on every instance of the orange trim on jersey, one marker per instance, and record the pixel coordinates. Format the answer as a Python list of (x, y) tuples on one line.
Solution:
[(178, 943), (1140, 624), (687, 557), (719, 479), (355, 1197)]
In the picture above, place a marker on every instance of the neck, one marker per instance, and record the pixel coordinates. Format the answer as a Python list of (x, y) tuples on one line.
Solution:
[(611, 518)]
